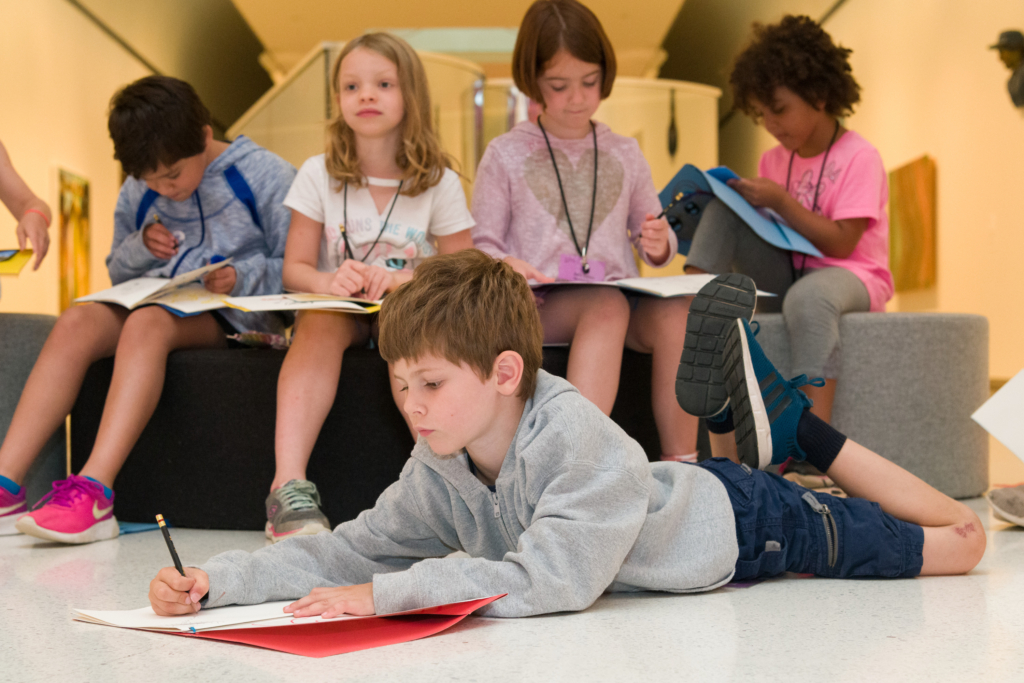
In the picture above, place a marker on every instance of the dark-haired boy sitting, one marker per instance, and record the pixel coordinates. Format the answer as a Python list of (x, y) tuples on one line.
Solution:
[(554, 503), (188, 200)]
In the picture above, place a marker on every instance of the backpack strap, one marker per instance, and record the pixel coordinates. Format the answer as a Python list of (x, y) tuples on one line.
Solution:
[(147, 201), (243, 192)]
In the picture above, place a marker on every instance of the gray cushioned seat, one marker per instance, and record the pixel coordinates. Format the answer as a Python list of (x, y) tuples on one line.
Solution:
[(908, 385), (21, 338)]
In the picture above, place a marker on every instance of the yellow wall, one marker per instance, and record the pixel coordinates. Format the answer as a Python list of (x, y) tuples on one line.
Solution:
[(930, 86), (57, 73)]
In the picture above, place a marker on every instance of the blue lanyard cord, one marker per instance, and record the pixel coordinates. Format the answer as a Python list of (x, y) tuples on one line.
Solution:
[(202, 234)]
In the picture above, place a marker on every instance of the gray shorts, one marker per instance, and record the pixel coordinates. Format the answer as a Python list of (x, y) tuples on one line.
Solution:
[(811, 302)]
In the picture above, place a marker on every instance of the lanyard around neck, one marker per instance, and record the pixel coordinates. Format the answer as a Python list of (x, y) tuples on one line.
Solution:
[(817, 187), (565, 204), (344, 226), (821, 173)]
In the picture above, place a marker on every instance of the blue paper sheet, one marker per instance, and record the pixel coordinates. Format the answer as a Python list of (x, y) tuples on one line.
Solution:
[(767, 224)]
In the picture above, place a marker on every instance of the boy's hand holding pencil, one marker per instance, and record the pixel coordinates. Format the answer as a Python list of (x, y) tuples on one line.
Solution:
[(176, 590), (160, 242), (172, 594)]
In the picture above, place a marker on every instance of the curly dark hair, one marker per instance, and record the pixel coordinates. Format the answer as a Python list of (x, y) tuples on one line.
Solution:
[(795, 53)]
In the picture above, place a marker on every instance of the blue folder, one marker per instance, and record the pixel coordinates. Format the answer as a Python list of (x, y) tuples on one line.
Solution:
[(767, 224)]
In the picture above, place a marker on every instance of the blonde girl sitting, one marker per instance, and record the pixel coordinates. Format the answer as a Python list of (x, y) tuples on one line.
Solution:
[(364, 214)]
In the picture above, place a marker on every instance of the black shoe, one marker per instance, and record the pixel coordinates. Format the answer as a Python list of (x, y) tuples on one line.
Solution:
[(700, 381)]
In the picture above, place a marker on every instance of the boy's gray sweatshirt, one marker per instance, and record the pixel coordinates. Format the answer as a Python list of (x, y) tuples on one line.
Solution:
[(577, 511), (214, 221)]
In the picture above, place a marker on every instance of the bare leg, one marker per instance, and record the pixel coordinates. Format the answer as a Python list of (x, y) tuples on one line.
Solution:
[(954, 539), (82, 335), (658, 327), (823, 397), (594, 321), (724, 446), (140, 365), (307, 386)]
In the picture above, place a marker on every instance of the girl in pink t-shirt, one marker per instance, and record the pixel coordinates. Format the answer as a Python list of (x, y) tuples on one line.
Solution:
[(566, 198), (827, 183)]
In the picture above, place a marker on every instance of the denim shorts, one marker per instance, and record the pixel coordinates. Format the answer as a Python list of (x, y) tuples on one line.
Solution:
[(783, 527)]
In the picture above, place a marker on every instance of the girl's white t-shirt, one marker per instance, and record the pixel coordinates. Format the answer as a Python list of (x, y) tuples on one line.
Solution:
[(411, 229)]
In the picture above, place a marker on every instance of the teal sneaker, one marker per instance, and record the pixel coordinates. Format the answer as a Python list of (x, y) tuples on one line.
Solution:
[(766, 408), (294, 510), (700, 381)]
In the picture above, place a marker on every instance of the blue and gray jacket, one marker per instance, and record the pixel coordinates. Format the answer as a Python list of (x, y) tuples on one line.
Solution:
[(237, 212)]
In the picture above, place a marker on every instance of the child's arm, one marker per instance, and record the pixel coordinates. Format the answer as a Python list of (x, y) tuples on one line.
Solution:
[(300, 261), (129, 256), (389, 538), (651, 236), (492, 211), (31, 212), (836, 239), (170, 593)]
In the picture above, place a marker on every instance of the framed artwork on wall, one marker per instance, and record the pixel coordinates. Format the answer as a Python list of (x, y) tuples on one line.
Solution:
[(73, 200), (912, 243)]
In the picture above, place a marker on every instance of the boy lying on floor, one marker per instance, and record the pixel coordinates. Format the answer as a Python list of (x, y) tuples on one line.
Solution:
[(555, 504)]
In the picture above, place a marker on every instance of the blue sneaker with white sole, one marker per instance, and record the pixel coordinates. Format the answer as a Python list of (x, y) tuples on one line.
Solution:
[(700, 380), (766, 408)]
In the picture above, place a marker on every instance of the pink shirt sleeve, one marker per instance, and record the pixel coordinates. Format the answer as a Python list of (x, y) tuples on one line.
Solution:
[(492, 206), (859, 194)]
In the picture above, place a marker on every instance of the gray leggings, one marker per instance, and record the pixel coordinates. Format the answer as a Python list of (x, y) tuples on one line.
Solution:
[(810, 305)]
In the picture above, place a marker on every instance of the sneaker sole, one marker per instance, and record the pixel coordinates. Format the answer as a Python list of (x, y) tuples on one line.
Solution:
[(700, 380), (1003, 514), (310, 529), (7, 523), (753, 428), (100, 531)]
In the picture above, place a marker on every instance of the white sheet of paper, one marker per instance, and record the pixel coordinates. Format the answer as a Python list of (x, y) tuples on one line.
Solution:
[(1002, 414), (192, 298), (134, 292), (671, 285), (290, 302), (235, 616), (263, 615), (666, 286)]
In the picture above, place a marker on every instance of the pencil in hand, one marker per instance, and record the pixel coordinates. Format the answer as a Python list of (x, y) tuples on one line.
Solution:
[(170, 544)]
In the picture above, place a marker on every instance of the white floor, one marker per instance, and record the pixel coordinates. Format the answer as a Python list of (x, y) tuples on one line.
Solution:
[(931, 629)]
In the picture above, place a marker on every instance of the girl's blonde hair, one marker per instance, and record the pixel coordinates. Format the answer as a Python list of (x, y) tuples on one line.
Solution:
[(419, 155)]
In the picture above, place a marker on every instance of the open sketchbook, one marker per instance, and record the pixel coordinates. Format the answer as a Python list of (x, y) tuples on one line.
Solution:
[(267, 626), (183, 294), (12, 260), (668, 286), (303, 302), (691, 184)]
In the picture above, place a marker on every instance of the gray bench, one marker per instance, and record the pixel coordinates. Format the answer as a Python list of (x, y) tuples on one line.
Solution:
[(21, 339), (908, 385)]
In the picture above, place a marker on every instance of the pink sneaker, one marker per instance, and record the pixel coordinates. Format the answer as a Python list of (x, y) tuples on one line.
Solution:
[(11, 507), (75, 511)]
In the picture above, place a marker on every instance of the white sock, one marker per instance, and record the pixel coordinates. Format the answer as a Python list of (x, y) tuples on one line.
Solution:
[(692, 457)]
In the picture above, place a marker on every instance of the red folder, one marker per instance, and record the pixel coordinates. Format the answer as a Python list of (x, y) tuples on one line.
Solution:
[(326, 638)]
